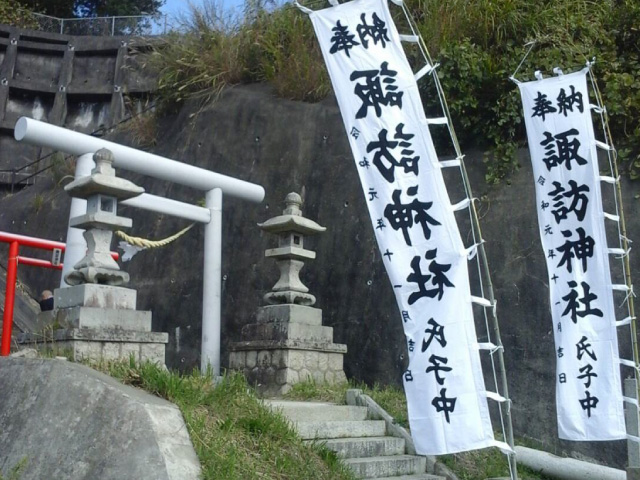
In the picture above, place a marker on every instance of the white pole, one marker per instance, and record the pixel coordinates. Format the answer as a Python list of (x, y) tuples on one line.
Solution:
[(212, 285), (75, 143), (76, 245)]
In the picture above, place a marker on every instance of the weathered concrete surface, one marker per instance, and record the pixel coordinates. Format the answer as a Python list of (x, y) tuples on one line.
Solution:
[(25, 308), (286, 146), (565, 468), (69, 421), (83, 83)]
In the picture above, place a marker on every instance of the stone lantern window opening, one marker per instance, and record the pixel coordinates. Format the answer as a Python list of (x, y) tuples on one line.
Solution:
[(102, 203), (107, 204)]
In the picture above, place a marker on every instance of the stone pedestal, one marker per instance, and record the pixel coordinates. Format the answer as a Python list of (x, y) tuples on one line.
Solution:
[(287, 345), (98, 322)]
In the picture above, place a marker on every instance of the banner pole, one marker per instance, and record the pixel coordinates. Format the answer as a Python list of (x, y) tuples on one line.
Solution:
[(497, 339), (631, 386)]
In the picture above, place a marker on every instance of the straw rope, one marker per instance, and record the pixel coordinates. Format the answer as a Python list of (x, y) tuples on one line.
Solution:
[(145, 243)]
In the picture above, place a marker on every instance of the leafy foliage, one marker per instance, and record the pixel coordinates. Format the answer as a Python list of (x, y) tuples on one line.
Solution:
[(478, 45), (11, 13)]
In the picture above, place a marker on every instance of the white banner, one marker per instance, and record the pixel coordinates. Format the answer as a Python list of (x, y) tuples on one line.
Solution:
[(414, 223), (571, 220)]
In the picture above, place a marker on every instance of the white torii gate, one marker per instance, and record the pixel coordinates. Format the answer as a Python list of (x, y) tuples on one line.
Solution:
[(214, 184)]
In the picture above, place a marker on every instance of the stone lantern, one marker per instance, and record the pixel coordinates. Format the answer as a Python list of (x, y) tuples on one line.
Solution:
[(102, 190), (288, 343), (291, 227), (97, 317)]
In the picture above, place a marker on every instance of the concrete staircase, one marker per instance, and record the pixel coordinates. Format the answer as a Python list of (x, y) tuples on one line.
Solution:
[(362, 443)]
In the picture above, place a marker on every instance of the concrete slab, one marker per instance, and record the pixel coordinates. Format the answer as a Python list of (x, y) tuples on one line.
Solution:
[(419, 476), (316, 411), (289, 313), (365, 446), (109, 318), (102, 335), (69, 421), (342, 429), (377, 467), (281, 330), (94, 295)]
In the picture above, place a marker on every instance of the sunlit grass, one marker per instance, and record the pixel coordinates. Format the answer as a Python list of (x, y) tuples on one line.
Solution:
[(235, 436)]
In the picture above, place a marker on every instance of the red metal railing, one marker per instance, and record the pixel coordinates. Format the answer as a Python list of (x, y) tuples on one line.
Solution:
[(15, 242)]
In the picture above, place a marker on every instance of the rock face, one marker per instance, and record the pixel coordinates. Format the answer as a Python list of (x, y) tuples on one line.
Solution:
[(289, 146)]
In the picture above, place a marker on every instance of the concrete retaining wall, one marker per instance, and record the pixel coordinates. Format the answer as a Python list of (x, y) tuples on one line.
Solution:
[(290, 146), (75, 82)]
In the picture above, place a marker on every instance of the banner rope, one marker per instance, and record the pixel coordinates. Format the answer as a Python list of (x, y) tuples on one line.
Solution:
[(481, 261), (624, 242), (145, 243)]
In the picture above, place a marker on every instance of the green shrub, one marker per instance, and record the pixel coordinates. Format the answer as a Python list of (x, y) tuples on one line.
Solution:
[(12, 13), (478, 45)]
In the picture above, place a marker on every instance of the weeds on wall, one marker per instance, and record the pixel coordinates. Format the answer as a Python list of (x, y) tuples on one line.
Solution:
[(477, 44)]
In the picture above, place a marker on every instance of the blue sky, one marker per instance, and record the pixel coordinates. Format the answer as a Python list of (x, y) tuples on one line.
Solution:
[(176, 7), (173, 7)]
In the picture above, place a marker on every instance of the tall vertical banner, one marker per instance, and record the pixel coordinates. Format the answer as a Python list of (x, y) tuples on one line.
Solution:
[(414, 223), (571, 221)]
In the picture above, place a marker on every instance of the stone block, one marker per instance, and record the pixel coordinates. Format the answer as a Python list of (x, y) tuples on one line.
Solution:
[(96, 335), (311, 360), (110, 351), (282, 330), (292, 376), (286, 375), (289, 345), (289, 313), (251, 359), (323, 361), (335, 361), (340, 377), (152, 352), (286, 388), (107, 318), (296, 359), (87, 350), (237, 360), (129, 350), (329, 377), (264, 358), (281, 376), (318, 376), (279, 358), (269, 375), (304, 375), (94, 295)]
